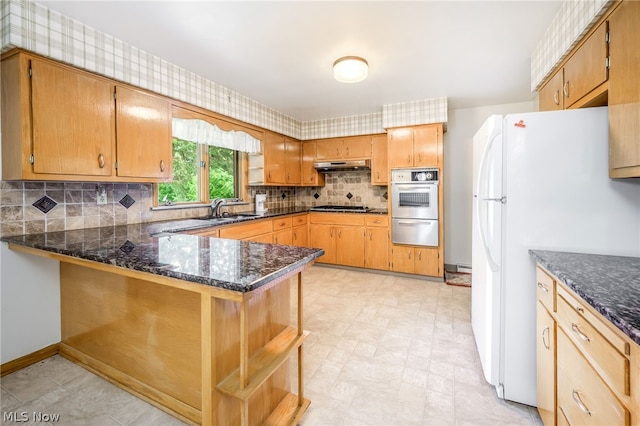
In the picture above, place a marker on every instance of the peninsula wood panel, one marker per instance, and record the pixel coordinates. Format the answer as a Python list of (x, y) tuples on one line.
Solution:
[(122, 321)]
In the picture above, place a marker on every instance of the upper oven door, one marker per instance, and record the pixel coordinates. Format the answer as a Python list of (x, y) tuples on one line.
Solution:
[(414, 200)]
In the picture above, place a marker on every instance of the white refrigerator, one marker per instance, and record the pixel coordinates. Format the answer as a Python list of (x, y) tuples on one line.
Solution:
[(540, 181)]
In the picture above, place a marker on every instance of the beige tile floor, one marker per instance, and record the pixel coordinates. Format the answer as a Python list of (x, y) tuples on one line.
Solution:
[(383, 350)]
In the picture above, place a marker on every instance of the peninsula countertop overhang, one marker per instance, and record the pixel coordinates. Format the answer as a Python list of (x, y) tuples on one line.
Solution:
[(234, 265)]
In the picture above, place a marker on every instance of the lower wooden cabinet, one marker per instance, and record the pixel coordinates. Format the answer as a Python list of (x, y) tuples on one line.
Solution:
[(546, 364), (376, 248), (300, 236), (588, 372), (415, 260)]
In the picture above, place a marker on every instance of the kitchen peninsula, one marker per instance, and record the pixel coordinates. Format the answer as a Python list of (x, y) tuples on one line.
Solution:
[(198, 326)]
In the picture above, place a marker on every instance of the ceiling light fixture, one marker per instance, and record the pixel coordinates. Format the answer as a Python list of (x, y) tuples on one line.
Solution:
[(350, 69)]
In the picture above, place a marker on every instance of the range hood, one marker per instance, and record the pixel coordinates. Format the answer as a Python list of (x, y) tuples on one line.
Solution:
[(339, 166)]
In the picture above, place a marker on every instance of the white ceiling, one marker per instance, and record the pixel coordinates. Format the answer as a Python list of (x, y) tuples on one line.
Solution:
[(280, 53)]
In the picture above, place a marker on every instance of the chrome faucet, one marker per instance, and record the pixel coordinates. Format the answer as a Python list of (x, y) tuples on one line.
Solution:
[(215, 207)]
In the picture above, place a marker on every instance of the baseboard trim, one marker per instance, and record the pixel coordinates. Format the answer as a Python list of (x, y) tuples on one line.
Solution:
[(26, 360)]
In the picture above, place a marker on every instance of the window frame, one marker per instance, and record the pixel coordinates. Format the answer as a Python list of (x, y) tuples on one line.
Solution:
[(240, 158)]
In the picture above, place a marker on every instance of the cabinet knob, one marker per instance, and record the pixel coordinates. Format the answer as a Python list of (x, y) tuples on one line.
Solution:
[(409, 252), (162, 165), (338, 152), (409, 159), (347, 151), (377, 175), (556, 97), (419, 255), (340, 234), (101, 161), (565, 89)]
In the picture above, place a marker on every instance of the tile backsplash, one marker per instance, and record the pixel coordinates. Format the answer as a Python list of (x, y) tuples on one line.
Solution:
[(34, 207)]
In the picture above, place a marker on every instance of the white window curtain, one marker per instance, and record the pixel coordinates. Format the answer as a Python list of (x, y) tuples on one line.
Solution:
[(203, 132)]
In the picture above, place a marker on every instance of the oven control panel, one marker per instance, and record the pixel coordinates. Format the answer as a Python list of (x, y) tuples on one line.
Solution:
[(414, 175)]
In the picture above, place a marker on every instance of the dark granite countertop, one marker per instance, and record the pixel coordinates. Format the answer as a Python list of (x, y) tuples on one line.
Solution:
[(191, 224), (231, 264), (610, 284)]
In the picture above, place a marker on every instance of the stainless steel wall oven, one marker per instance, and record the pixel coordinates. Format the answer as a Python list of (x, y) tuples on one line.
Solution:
[(414, 207)]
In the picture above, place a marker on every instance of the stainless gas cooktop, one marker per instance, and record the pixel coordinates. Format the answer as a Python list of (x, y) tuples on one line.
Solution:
[(343, 209)]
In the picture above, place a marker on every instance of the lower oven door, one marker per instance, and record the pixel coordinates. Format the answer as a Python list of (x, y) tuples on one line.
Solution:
[(415, 232)]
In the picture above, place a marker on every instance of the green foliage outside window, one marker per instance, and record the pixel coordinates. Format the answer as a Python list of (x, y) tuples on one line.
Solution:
[(184, 187)]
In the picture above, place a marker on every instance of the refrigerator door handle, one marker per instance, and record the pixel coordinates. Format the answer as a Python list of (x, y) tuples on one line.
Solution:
[(503, 200), (481, 171)]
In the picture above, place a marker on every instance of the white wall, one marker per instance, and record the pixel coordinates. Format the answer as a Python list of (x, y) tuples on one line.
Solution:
[(29, 303), (458, 165)]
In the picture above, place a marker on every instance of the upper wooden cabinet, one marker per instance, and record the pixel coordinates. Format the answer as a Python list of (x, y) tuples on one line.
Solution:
[(60, 123), (274, 158), (344, 148), (587, 68), (143, 134), (292, 161), (416, 146), (581, 80), (379, 164), (551, 97), (310, 176), (624, 91), (282, 160)]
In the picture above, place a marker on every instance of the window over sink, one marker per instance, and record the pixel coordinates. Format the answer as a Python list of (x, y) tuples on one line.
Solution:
[(207, 159)]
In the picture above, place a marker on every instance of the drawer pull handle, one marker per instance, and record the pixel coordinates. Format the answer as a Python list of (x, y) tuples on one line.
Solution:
[(547, 342), (580, 334), (576, 397), (580, 309), (544, 287)]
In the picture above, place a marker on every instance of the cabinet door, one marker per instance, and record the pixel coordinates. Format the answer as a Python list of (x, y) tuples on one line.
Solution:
[(299, 236), (425, 146), (402, 259), (143, 134), (586, 69), (283, 237), (550, 97), (377, 248), (624, 91), (546, 358), (323, 237), (379, 168), (400, 148), (329, 149), (426, 261), (73, 121), (274, 158), (356, 147), (350, 246), (310, 176), (293, 160)]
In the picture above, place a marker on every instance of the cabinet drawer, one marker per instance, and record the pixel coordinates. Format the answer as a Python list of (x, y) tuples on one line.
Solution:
[(299, 220), (603, 355), (377, 220), (244, 231), (337, 218), (281, 223), (545, 289), (582, 395)]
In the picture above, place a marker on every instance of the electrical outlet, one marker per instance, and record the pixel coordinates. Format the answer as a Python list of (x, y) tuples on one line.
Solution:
[(101, 195)]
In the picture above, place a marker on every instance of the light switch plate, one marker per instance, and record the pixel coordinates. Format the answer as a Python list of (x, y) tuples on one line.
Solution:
[(101, 195)]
